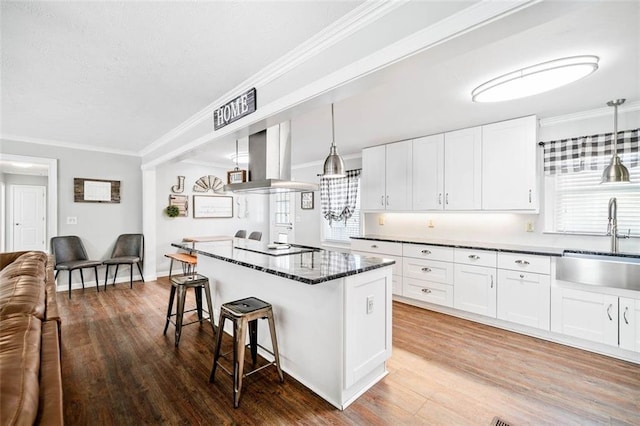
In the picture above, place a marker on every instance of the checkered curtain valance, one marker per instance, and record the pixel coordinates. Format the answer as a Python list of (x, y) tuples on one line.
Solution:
[(338, 196), (590, 152)]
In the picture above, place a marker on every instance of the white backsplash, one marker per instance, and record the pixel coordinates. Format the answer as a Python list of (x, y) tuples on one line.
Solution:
[(505, 228)]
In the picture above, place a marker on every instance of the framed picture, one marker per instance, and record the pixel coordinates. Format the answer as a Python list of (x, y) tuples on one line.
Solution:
[(96, 190), (212, 206), (182, 202), (306, 200), (237, 176)]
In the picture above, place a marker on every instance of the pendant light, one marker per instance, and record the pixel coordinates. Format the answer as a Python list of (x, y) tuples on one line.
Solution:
[(615, 172), (333, 165)]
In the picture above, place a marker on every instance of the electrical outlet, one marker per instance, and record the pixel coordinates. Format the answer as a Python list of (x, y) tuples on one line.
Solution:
[(529, 226), (72, 220), (369, 305), (381, 219), (431, 225)]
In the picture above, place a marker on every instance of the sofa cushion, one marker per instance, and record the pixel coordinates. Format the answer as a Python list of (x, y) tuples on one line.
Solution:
[(20, 340), (50, 409), (22, 286)]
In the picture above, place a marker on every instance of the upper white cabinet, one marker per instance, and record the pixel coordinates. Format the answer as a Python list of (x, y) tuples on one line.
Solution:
[(462, 169), (428, 173), (509, 165), (387, 177)]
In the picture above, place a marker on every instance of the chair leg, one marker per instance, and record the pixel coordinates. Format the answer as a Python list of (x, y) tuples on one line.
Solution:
[(82, 278), (216, 353), (198, 291), (253, 340), (274, 343), (238, 365), (131, 276), (70, 283), (57, 272), (170, 308), (139, 269), (170, 268), (95, 271), (106, 275), (114, 275), (181, 298), (207, 293)]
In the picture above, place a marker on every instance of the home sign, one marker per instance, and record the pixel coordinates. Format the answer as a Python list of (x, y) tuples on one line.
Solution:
[(235, 109)]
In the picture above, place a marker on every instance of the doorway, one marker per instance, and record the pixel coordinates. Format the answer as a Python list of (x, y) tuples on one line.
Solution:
[(282, 213)]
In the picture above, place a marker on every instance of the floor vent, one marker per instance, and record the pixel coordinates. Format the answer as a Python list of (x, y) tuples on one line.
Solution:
[(497, 421)]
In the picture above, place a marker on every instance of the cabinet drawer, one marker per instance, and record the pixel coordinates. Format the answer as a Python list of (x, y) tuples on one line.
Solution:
[(476, 257), (428, 270), (437, 293), (422, 251), (396, 284), (396, 268), (380, 247), (525, 262)]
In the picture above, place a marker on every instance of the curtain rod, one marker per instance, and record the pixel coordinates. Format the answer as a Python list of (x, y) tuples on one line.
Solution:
[(589, 136)]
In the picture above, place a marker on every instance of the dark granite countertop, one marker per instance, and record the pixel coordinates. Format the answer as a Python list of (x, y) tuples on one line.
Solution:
[(310, 267), (509, 248)]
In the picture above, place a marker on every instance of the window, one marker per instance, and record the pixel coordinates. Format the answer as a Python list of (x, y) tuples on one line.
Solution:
[(282, 209), (340, 198)]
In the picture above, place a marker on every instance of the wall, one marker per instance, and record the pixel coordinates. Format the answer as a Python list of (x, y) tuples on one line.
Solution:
[(98, 224), (506, 227), (9, 180), (250, 212)]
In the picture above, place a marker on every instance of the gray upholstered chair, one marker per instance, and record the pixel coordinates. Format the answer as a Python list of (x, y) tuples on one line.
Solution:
[(128, 250), (255, 235), (69, 254), (241, 234)]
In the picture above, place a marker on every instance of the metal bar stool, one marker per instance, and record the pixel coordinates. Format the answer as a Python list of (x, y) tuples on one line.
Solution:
[(181, 283), (244, 314)]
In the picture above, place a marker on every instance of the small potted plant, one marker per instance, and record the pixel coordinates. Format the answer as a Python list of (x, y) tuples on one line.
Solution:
[(172, 211)]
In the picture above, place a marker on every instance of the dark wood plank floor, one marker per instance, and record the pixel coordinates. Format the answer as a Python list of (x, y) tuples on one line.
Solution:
[(119, 369)]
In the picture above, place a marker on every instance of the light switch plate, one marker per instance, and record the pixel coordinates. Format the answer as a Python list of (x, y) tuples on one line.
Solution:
[(72, 220)]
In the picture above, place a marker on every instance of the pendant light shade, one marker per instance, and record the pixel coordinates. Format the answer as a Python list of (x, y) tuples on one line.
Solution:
[(615, 172), (333, 165)]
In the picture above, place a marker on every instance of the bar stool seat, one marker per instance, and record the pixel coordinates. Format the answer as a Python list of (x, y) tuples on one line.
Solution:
[(244, 313), (182, 283)]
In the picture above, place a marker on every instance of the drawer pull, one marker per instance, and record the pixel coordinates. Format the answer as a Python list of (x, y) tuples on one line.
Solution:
[(474, 257), (491, 280), (426, 269), (521, 275), (425, 251), (374, 246), (624, 315), (426, 290), (609, 312), (522, 262)]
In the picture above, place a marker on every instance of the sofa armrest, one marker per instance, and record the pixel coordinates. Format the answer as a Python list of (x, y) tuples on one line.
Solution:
[(50, 407)]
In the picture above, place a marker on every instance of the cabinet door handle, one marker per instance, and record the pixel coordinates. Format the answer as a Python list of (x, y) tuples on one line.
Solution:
[(440, 198), (474, 257), (426, 269), (425, 251), (522, 262), (426, 290), (529, 196), (624, 315), (374, 246), (446, 198), (609, 311), (491, 280), (382, 200), (521, 275), (387, 200)]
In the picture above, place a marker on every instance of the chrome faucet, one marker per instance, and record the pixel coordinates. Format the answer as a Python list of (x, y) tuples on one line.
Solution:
[(612, 227)]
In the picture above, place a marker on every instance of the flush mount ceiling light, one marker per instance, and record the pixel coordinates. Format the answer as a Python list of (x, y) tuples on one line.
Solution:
[(535, 79), (615, 172), (333, 165)]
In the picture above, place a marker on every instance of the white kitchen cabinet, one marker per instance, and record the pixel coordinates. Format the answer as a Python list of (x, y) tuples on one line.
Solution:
[(524, 298), (509, 165), (428, 173), (462, 169), (428, 280), (384, 249), (474, 289), (629, 323), (587, 315), (386, 181)]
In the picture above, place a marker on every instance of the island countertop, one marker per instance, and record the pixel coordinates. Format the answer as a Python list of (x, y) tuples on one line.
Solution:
[(305, 264)]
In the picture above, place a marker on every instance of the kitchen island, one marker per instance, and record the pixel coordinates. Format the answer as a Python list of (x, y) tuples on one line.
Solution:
[(332, 309)]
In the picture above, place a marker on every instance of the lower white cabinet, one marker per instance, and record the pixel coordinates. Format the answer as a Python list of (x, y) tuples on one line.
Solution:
[(428, 280), (475, 289), (387, 250), (524, 298), (629, 323), (586, 315)]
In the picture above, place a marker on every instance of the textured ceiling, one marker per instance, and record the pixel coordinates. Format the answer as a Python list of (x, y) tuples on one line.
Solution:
[(119, 75)]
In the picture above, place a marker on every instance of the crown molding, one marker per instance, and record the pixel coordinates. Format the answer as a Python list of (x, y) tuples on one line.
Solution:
[(353, 21), (588, 114), (70, 145)]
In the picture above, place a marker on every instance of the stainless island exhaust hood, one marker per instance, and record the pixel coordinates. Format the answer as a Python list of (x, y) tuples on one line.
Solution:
[(270, 164)]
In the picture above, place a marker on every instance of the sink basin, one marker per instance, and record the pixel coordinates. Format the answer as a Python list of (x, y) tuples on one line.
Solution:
[(600, 269)]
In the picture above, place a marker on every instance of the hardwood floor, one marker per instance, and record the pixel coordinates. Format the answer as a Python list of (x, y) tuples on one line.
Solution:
[(118, 368)]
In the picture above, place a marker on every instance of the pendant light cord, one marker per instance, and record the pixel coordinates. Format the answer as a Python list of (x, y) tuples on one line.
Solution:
[(333, 130), (237, 168)]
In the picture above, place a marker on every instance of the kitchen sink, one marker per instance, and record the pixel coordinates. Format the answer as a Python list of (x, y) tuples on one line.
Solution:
[(600, 269)]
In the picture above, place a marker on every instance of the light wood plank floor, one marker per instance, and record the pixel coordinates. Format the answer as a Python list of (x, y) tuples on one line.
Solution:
[(119, 369)]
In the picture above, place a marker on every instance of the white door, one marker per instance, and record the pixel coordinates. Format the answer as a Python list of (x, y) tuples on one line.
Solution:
[(282, 214), (428, 173), (462, 169), (372, 180), (474, 289), (398, 176), (524, 298), (629, 321), (29, 221)]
